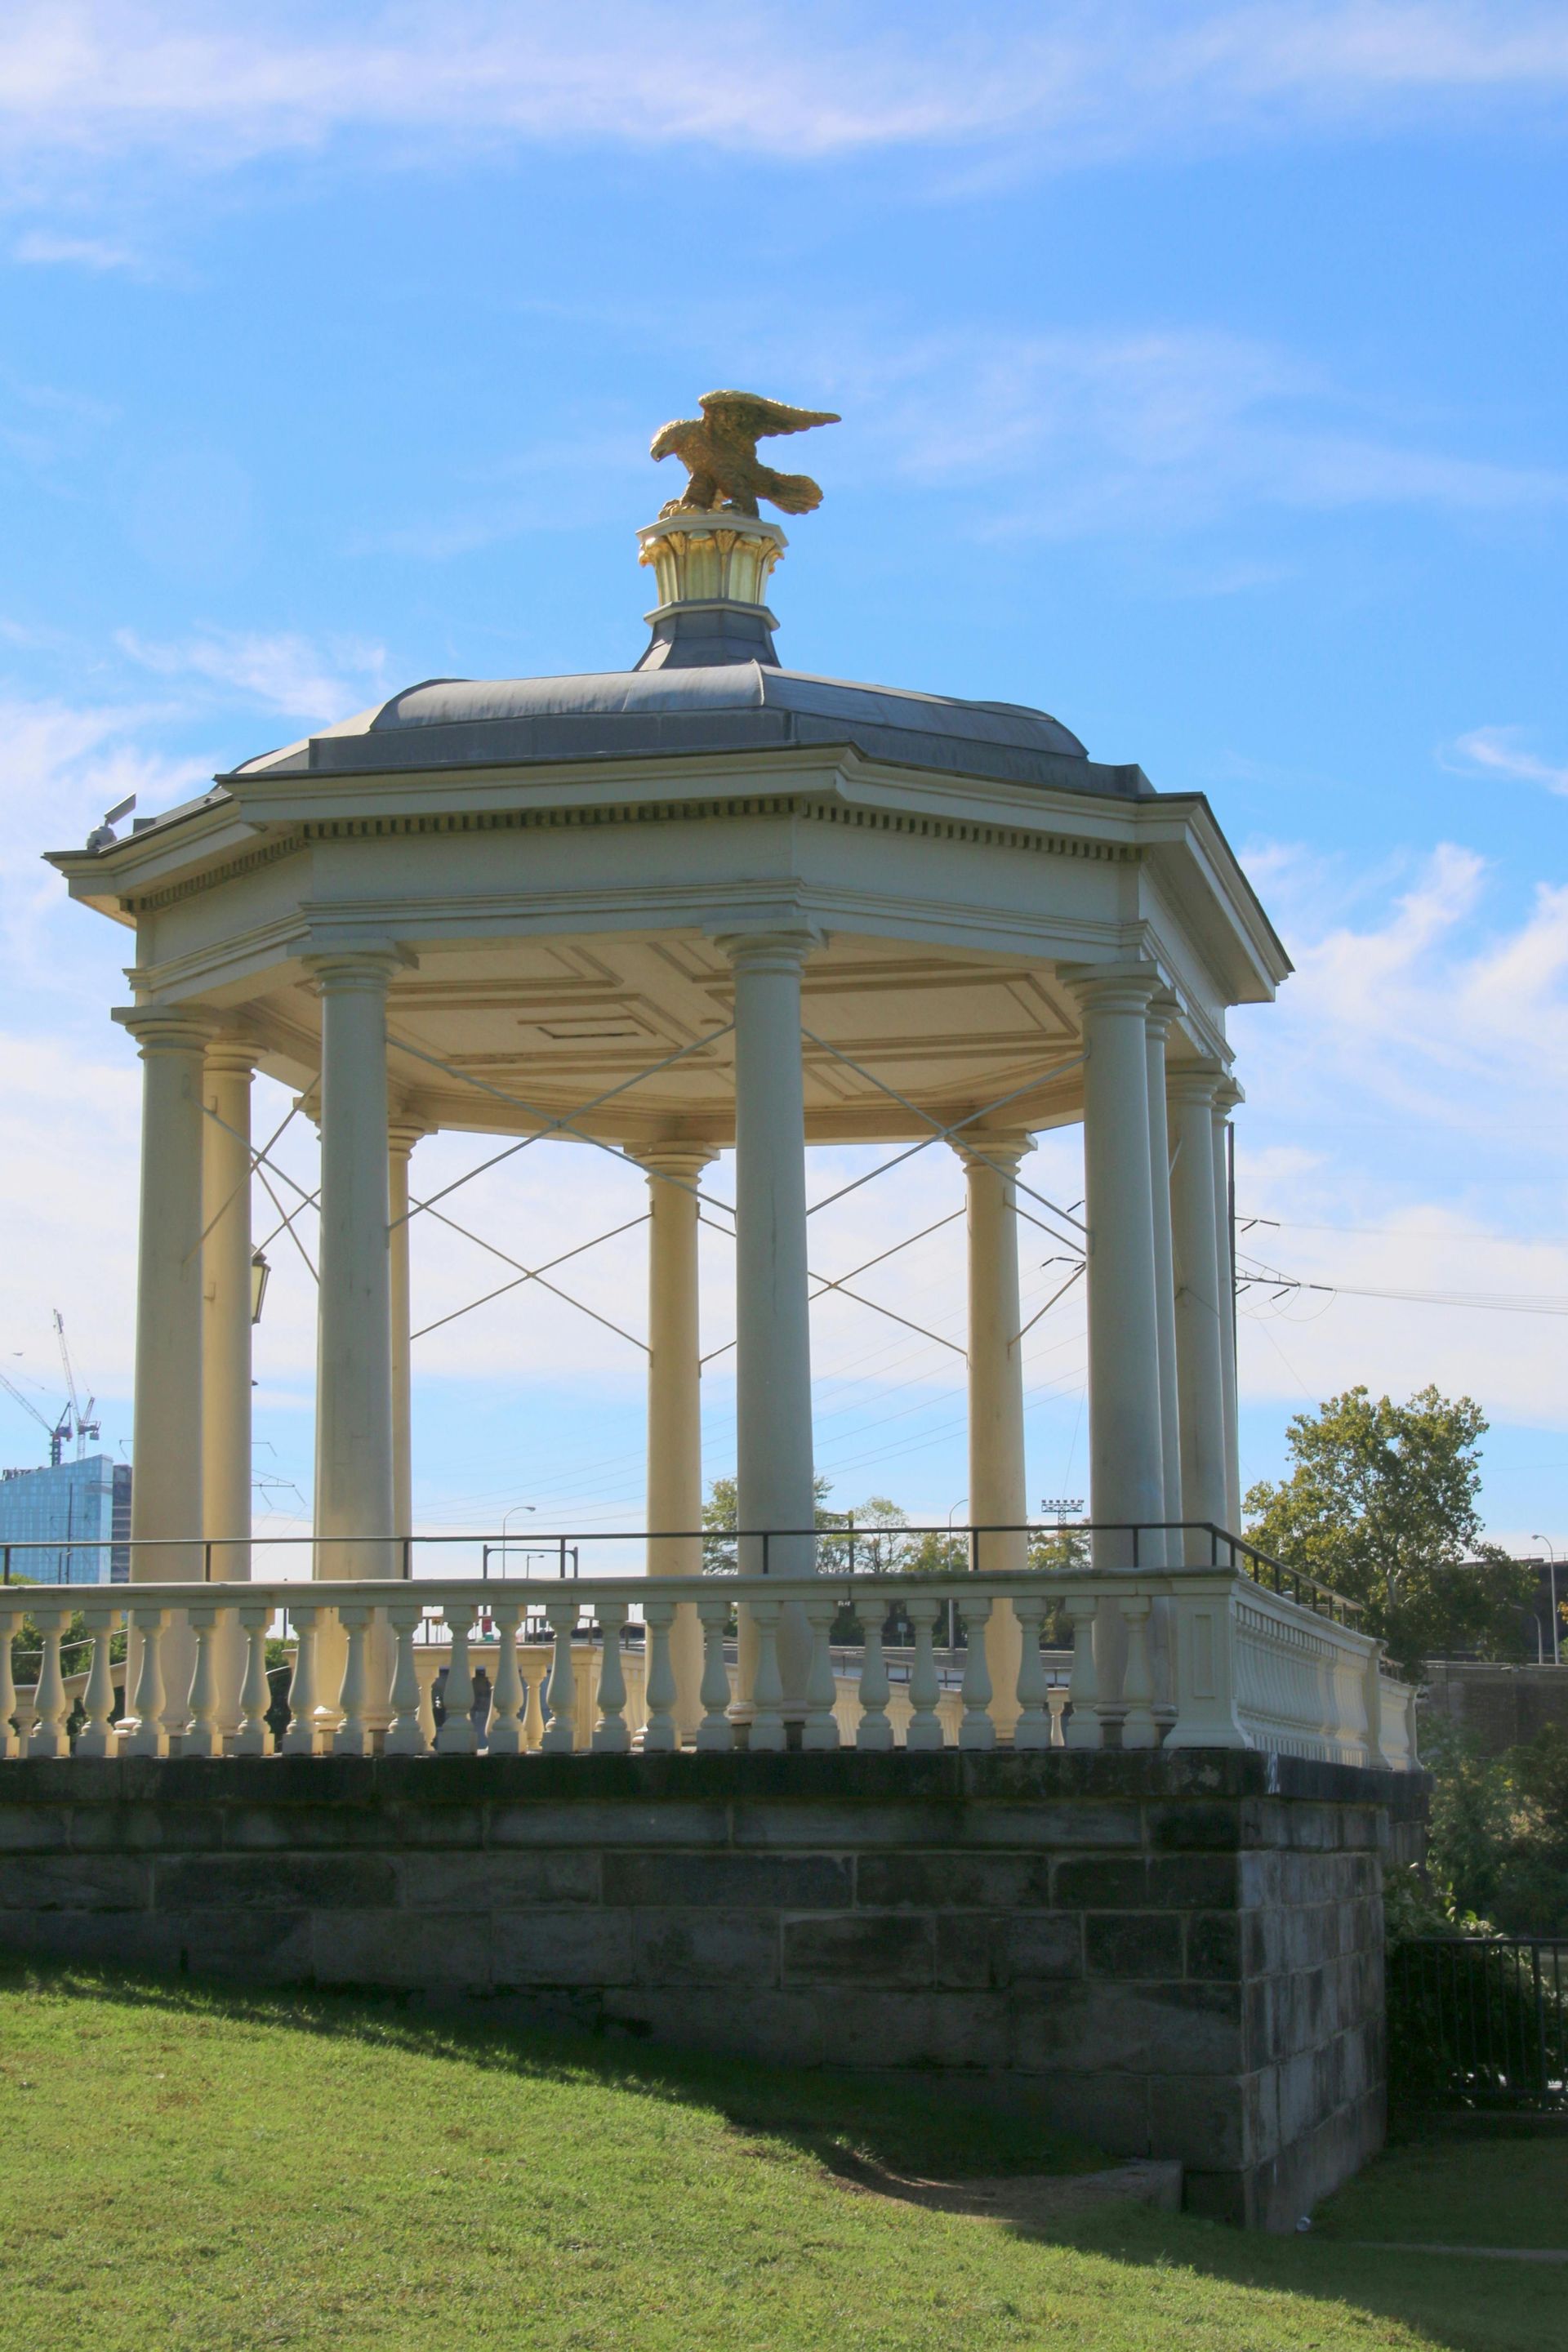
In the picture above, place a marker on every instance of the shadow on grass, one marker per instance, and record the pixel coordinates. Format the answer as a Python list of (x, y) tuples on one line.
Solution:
[(1459, 2303), (847, 2119)]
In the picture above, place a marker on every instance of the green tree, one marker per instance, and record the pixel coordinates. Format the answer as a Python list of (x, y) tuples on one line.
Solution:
[(1381, 1504)]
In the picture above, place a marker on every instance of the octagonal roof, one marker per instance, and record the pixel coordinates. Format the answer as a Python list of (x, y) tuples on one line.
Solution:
[(729, 705)]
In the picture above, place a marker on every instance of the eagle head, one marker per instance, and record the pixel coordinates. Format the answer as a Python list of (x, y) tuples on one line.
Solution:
[(667, 441)]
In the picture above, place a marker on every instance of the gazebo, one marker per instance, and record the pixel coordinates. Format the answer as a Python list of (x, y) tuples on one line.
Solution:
[(705, 901), (700, 904)]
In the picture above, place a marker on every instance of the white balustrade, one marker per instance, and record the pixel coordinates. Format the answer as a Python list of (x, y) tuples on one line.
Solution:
[(1181, 1656)]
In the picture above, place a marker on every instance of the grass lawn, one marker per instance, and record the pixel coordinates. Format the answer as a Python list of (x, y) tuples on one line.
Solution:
[(1434, 2188), (188, 2171)]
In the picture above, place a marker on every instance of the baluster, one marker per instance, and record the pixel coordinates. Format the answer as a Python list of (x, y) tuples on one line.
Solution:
[(505, 1736), (767, 1733), (407, 1734), (457, 1735), (560, 1731), (873, 1733), (255, 1691), (1057, 1700), (147, 1735), (976, 1730), (1033, 1728), (1083, 1728), (533, 1673), (925, 1726), (351, 1736), (715, 1730), (1138, 1728), (299, 1739), (820, 1729), (10, 1744), (47, 1735), (427, 1673), (177, 1697), (611, 1737), (660, 1735), (201, 1736), (96, 1736)]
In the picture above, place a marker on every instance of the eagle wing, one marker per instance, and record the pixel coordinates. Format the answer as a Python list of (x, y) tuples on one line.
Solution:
[(750, 417)]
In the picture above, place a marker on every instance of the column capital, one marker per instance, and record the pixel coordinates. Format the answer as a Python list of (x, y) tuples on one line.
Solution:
[(166, 1028), (403, 1130), (232, 1054), (777, 945), (1164, 1010), (1130, 987), (368, 964), (1227, 1095), (1196, 1082), (672, 1158), (996, 1147)]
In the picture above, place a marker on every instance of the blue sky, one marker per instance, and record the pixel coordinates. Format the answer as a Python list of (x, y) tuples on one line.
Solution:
[(1202, 375)]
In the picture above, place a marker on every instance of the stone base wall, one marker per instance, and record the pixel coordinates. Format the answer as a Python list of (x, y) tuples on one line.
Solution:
[(1179, 1956)]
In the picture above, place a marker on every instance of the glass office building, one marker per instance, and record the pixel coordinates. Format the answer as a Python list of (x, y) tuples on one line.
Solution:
[(84, 1507)]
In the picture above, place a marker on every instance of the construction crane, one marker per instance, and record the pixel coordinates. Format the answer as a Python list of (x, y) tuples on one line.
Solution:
[(57, 1432), (80, 1414)]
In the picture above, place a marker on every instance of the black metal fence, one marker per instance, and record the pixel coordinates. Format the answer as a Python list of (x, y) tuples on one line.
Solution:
[(1478, 2022)]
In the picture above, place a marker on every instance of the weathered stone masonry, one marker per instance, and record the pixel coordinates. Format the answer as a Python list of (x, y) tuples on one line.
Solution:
[(1180, 1955)]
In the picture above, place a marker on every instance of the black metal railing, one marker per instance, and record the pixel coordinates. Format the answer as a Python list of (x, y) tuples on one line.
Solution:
[(1060, 1546), (1478, 2022)]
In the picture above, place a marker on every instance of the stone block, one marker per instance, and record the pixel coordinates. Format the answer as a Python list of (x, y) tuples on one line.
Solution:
[(1133, 1944), (1192, 1826), (446, 1951), (953, 1882), (862, 1948), (588, 1822), (447, 1827), (316, 1829), (285, 1882), (956, 2030), (798, 1882), (35, 1828), (74, 1882), (1040, 1946), (963, 1940), (149, 1829), (1213, 1944), (780, 2029), (682, 1948), (582, 1948), (1203, 2123), (1095, 2025), (496, 1882), (1188, 1882)]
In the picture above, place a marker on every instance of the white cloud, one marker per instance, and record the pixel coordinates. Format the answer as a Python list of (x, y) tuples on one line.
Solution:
[(1410, 1083), (1498, 752), (1063, 84), (42, 248), (285, 672), (1148, 433)]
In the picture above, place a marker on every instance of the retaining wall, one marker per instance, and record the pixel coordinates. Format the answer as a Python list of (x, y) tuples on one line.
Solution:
[(1178, 1955)]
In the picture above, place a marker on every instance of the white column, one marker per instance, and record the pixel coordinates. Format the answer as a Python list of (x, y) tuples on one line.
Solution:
[(998, 1488), (1227, 1095), (225, 1317), (1126, 1462), (166, 1492), (772, 1323), (402, 1134), (674, 1399), (1157, 1032), (1200, 1302), (354, 1356)]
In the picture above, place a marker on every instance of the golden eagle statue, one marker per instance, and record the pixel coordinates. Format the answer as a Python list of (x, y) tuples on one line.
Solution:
[(718, 450)]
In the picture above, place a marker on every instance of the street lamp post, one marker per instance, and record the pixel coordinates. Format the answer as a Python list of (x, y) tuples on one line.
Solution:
[(1551, 1556)]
